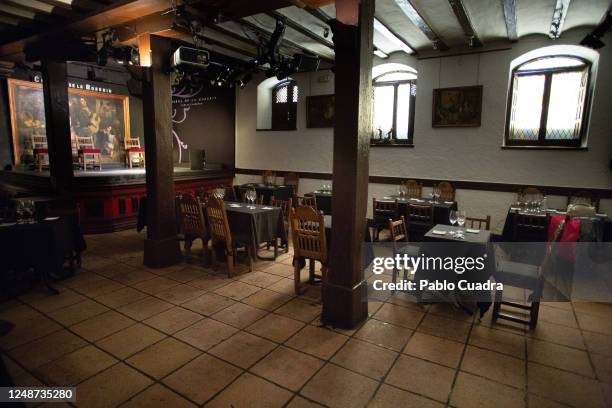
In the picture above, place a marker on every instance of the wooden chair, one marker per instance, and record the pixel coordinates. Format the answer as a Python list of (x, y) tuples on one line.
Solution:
[(305, 201), (382, 212), (309, 241), (399, 233), (583, 197), (220, 232), (420, 220), (579, 210), (413, 189), (40, 150), (193, 225), (293, 180), (285, 206), (446, 191), (88, 153), (524, 276), (134, 154), (472, 222), (268, 177)]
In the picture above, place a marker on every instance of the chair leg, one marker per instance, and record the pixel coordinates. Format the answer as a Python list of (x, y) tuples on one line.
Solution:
[(188, 243), (230, 264), (250, 255), (533, 314), (296, 280), (497, 304), (311, 270)]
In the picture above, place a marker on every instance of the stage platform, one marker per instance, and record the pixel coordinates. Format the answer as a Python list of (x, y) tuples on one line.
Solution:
[(108, 199)]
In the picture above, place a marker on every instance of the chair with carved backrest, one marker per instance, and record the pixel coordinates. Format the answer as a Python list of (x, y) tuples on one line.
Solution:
[(583, 197), (382, 211), (193, 224), (420, 220), (268, 177), (88, 153), (40, 150), (413, 188), (293, 180), (219, 229), (309, 241), (285, 206), (445, 190), (308, 201), (477, 223), (134, 154), (399, 234)]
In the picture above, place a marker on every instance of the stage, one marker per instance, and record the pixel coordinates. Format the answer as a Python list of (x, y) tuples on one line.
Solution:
[(108, 199)]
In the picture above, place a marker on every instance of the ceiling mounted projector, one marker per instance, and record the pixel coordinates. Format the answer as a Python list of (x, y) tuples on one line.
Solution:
[(193, 57)]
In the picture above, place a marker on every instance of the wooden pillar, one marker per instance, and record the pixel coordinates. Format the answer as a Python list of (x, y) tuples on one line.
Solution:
[(57, 122), (161, 246), (345, 292)]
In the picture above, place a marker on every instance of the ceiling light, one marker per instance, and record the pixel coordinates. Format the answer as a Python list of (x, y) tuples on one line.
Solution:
[(383, 30), (380, 54)]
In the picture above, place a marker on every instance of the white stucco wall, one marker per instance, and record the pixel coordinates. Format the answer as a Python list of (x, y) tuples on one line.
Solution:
[(472, 154)]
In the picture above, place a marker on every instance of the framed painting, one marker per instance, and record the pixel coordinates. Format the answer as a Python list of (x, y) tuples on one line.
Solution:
[(457, 107), (102, 116), (320, 111)]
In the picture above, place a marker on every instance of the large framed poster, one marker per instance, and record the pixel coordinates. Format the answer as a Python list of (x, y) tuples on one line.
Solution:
[(102, 115)]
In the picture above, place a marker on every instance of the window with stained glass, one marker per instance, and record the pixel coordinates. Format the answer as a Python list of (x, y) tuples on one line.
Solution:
[(393, 107), (284, 105), (548, 101)]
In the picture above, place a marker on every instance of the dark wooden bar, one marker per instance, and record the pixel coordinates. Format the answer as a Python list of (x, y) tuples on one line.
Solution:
[(344, 292)]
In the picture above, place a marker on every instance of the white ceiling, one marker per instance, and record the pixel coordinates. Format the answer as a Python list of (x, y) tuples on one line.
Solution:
[(487, 17)]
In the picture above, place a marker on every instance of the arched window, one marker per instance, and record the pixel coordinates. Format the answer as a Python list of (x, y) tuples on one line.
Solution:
[(393, 107), (284, 105), (548, 101)]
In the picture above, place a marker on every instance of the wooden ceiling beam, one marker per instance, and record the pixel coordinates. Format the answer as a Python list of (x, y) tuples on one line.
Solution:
[(558, 18), (39, 7), (416, 19), (302, 30), (466, 23), (509, 7), (27, 14)]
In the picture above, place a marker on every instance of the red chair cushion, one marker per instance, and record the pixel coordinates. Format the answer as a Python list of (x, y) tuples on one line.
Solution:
[(569, 235), (89, 151), (136, 150), (41, 150)]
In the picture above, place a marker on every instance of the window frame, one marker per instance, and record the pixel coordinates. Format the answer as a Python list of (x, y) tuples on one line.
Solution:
[(394, 141), (542, 142), (291, 106)]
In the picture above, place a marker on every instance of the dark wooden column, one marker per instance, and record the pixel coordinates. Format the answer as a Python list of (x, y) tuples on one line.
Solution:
[(57, 121), (161, 246), (345, 292)]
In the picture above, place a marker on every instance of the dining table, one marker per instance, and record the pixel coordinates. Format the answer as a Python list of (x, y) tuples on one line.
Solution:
[(441, 208), (279, 192), (454, 242)]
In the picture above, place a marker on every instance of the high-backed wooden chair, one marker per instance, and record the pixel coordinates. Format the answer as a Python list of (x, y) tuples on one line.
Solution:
[(134, 154), (382, 212), (285, 206), (446, 191), (309, 241), (399, 237), (583, 197), (420, 220), (293, 180), (579, 210), (40, 150), (413, 188), (193, 224), (478, 223), (268, 177), (220, 232), (305, 201), (89, 155)]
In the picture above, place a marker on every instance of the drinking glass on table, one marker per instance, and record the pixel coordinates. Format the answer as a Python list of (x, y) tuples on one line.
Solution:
[(19, 210), (30, 210), (452, 217), (461, 218)]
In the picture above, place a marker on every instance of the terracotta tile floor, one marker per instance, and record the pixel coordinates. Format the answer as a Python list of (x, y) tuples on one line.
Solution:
[(187, 335)]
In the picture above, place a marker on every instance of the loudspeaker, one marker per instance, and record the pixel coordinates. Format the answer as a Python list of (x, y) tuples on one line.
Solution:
[(197, 158)]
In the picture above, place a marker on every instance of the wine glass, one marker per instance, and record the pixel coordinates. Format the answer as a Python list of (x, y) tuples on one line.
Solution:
[(30, 210), (452, 217), (460, 218), (19, 210)]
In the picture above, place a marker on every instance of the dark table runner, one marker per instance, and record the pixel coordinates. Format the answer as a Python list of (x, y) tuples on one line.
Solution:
[(508, 232), (41, 245), (279, 192), (473, 245), (259, 225)]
